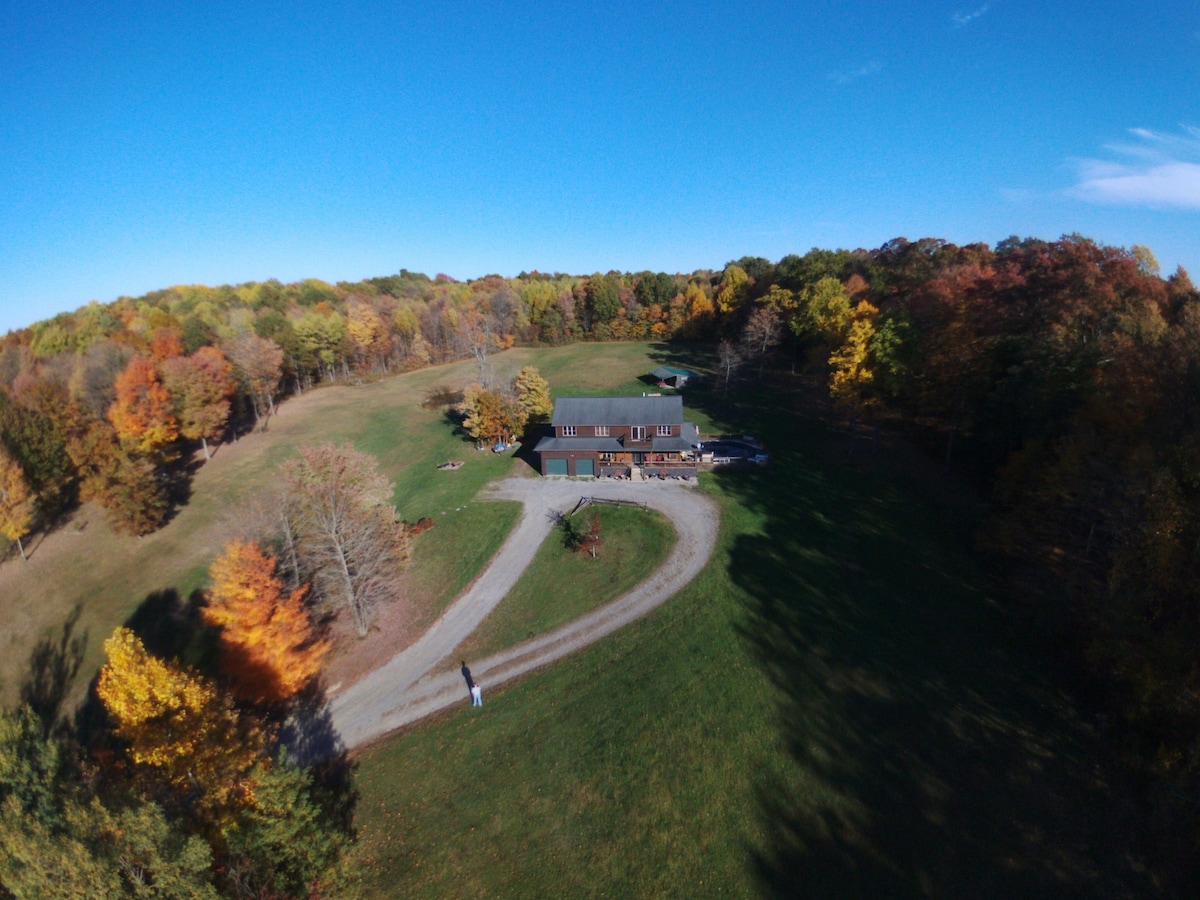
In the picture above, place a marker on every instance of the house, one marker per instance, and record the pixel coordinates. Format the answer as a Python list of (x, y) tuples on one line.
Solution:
[(622, 437), (668, 376)]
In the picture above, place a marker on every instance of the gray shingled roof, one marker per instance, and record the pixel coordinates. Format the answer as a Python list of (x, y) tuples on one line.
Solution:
[(600, 444), (618, 411)]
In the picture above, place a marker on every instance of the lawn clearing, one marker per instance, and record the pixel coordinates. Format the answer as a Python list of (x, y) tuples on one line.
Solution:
[(88, 580), (561, 584), (834, 707)]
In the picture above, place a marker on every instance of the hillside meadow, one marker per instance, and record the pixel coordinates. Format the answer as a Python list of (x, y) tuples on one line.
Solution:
[(82, 580), (837, 706)]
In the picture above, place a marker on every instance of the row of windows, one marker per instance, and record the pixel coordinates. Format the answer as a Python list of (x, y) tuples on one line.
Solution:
[(636, 432)]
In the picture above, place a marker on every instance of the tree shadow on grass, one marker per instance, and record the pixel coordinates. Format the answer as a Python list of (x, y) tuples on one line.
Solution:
[(926, 751), (311, 741), (172, 628), (53, 665)]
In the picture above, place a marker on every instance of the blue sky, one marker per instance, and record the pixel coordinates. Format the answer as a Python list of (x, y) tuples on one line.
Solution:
[(146, 144)]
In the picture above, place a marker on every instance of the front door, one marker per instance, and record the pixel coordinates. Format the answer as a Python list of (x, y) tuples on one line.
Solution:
[(639, 459)]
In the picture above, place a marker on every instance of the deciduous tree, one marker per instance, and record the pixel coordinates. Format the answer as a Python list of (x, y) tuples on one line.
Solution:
[(348, 534), (259, 364), (142, 413), (16, 501), (735, 289), (489, 415), (533, 396), (179, 728), (201, 386), (850, 375), (729, 360), (267, 642), (763, 331)]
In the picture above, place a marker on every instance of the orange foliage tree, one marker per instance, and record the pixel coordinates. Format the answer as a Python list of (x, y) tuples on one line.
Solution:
[(180, 729), (143, 412), (267, 641)]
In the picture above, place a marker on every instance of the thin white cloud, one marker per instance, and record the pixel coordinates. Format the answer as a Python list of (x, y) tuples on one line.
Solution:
[(847, 76), (1155, 169), (965, 18)]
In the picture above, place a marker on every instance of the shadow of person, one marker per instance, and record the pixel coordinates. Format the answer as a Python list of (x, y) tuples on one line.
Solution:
[(466, 674)]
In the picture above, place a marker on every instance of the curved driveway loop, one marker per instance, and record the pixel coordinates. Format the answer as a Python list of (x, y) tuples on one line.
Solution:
[(412, 685)]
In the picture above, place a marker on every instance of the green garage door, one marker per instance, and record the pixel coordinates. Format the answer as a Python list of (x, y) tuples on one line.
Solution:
[(556, 467), (584, 467)]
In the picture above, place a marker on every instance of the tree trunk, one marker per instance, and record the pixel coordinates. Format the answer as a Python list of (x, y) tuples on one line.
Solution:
[(360, 620), (204, 443), (21, 547)]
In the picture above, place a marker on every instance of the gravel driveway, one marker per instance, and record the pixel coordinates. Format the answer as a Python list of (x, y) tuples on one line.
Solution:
[(421, 680)]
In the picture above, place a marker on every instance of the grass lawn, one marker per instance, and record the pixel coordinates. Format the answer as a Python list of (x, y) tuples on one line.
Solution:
[(561, 584), (83, 580), (834, 707)]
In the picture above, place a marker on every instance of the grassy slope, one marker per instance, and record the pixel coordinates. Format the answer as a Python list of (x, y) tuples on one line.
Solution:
[(833, 708), (84, 580), (561, 585)]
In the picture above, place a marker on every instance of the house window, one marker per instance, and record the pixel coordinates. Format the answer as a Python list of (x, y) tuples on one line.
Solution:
[(601, 431), (606, 457), (637, 432), (568, 431), (664, 430)]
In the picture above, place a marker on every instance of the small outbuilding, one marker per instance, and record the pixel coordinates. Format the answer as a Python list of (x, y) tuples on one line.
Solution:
[(668, 376)]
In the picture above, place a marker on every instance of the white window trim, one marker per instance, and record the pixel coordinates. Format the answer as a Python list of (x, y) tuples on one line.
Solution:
[(664, 430), (637, 432), (601, 431), (569, 431)]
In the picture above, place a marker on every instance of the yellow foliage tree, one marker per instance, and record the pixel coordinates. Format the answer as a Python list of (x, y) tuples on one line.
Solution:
[(700, 311), (735, 288), (180, 728), (267, 641), (368, 334), (849, 373), (16, 501)]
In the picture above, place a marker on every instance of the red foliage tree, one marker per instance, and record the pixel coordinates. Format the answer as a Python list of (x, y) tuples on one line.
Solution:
[(201, 386)]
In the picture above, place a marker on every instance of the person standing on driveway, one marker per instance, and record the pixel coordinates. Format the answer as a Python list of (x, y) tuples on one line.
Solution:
[(476, 695)]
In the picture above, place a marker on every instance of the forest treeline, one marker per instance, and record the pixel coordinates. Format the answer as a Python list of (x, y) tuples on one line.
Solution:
[(1060, 376)]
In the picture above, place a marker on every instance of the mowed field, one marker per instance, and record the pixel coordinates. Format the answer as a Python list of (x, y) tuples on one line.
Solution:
[(835, 707), (83, 580)]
